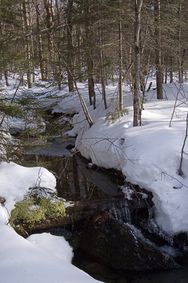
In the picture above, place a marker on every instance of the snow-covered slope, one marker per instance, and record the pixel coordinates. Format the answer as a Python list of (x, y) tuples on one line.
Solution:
[(41, 258), (148, 155)]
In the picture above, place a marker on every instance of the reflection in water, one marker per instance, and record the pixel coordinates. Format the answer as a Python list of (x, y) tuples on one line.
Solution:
[(77, 182), (108, 275), (174, 276), (74, 180)]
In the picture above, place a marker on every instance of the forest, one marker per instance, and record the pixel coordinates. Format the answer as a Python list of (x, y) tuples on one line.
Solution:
[(98, 41), (93, 141)]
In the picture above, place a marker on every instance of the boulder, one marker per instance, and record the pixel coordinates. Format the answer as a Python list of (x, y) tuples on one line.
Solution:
[(123, 247)]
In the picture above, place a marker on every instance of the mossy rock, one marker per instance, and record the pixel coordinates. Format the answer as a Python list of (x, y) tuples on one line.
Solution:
[(37, 207)]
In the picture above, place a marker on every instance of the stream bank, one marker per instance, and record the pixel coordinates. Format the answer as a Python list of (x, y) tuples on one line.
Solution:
[(100, 206)]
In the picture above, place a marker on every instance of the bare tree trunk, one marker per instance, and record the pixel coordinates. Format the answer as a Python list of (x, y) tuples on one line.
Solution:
[(39, 42), (158, 51), (48, 20), (59, 61), (171, 70), (91, 85), (70, 45), (120, 59), (180, 55), (27, 44), (79, 59), (103, 79), (102, 75), (166, 75), (89, 54), (6, 77), (136, 92)]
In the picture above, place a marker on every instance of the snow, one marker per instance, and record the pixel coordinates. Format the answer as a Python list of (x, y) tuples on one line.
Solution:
[(148, 155), (15, 180), (55, 245), (4, 215), (41, 258), (19, 125)]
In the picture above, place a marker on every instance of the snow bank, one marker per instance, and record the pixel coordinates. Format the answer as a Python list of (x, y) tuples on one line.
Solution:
[(42, 258), (15, 180), (148, 156), (50, 244)]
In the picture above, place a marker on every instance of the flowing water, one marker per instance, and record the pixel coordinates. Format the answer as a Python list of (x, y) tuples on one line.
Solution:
[(77, 182)]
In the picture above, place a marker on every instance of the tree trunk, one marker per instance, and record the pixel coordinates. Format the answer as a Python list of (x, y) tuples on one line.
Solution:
[(79, 59), (91, 85), (171, 69), (89, 55), (27, 44), (48, 21), (180, 55), (102, 75), (120, 59), (39, 42), (58, 55), (136, 88), (70, 46), (6, 77), (158, 50)]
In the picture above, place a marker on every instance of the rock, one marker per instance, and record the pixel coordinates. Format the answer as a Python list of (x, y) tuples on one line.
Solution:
[(123, 247), (70, 146), (15, 131), (181, 241), (2, 200), (152, 231)]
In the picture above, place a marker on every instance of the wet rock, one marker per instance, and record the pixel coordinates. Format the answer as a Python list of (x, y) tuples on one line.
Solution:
[(181, 242), (152, 231), (70, 146), (123, 247), (15, 131), (2, 200)]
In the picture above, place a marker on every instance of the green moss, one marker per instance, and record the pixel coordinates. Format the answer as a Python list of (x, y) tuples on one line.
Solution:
[(27, 213), (35, 210), (11, 109)]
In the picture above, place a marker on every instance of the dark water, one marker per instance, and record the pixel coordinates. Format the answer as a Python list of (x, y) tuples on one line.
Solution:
[(108, 275), (75, 181), (174, 276)]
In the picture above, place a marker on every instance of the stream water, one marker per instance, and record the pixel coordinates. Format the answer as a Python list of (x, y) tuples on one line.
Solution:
[(77, 182)]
